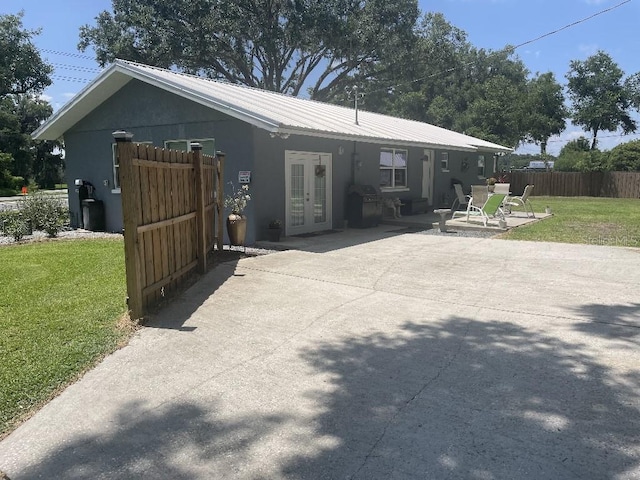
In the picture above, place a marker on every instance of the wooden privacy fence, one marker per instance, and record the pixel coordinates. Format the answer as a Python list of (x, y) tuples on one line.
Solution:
[(576, 184), (172, 210)]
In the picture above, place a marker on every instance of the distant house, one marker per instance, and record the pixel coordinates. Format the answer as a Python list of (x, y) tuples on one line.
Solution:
[(279, 139)]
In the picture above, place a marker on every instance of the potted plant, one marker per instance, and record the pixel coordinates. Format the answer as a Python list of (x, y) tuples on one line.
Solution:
[(274, 230), (491, 183), (236, 221)]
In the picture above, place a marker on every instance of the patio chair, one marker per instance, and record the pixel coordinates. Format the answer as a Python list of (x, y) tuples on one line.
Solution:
[(461, 199), (479, 195), (502, 188), (492, 208), (522, 201)]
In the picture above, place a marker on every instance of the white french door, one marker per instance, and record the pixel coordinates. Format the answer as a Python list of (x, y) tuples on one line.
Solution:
[(308, 190)]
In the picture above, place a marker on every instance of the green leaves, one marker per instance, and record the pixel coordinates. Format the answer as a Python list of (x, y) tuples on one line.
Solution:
[(277, 45), (602, 99), (22, 70)]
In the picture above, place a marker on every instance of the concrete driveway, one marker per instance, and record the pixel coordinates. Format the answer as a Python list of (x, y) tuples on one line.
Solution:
[(371, 355)]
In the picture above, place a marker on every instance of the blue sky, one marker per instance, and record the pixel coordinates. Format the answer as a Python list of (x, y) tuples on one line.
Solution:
[(490, 24)]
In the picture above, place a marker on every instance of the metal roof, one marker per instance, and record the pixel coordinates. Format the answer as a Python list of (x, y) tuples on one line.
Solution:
[(277, 113)]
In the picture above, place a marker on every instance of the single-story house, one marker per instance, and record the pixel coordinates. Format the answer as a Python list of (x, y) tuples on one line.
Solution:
[(300, 156)]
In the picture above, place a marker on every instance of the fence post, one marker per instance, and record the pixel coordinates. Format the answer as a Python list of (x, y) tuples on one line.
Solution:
[(129, 185), (220, 200), (201, 235)]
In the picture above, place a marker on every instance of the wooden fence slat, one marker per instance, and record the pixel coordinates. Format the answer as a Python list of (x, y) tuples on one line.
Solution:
[(129, 182), (576, 184), (171, 210)]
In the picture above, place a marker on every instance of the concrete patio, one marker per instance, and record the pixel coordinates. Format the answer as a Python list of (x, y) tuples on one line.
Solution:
[(396, 226), (431, 220)]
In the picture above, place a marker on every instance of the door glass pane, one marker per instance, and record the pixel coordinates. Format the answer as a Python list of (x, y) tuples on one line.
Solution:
[(296, 218), (320, 198)]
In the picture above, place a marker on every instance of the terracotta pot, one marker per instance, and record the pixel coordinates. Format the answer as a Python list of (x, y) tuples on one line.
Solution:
[(236, 229)]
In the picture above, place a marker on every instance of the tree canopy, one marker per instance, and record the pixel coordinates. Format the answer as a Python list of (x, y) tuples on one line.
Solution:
[(602, 98), (23, 76), (545, 112), (279, 45), (22, 70)]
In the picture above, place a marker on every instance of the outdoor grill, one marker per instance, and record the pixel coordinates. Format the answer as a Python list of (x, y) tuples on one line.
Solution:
[(364, 206)]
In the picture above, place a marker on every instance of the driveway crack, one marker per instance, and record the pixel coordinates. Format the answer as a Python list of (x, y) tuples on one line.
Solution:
[(409, 401)]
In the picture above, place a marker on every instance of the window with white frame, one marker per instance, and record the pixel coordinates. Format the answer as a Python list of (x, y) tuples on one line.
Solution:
[(208, 145), (444, 161), (116, 165), (481, 166), (393, 168)]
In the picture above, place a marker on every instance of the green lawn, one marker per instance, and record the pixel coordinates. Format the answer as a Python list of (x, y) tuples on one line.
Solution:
[(61, 310), (596, 221)]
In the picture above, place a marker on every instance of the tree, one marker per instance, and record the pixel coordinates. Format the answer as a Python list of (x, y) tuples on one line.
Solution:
[(625, 157), (602, 99), (19, 116), (449, 83), (278, 45), (23, 76), (545, 111), (22, 70)]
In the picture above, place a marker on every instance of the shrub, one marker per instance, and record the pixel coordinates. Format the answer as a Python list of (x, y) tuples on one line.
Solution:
[(46, 212), (625, 157), (14, 224)]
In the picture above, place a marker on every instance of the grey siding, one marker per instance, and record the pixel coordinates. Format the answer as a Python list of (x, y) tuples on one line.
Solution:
[(154, 115)]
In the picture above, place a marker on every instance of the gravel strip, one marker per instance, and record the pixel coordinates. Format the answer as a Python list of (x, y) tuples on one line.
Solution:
[(65, 234)]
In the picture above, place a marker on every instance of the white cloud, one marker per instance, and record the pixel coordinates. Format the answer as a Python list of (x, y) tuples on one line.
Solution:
[(69, 95), (45, 97)]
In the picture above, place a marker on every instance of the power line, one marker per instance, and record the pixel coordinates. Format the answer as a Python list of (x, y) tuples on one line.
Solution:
[(570, 25), (65, 78), (75, 55), (77, 68), (508, 49)]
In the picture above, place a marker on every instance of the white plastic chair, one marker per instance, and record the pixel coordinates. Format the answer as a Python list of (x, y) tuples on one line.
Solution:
[(502, 188), (522, 201), (479, 195), (461, 199)]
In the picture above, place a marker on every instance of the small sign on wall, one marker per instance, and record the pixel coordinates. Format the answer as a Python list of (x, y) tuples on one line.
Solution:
[(244, 176)]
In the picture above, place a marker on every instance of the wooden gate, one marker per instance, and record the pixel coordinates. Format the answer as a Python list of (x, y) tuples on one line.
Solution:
[(172, 210)]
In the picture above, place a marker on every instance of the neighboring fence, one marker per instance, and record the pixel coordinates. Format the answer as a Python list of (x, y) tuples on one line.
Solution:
[(172, 217), (576, 184)]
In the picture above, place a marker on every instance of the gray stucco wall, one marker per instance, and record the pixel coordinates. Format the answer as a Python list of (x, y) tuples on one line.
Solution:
[(152, 115), (156, 116)]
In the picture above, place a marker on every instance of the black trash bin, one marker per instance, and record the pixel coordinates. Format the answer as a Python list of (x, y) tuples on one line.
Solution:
[(93, 215), (364, 207)]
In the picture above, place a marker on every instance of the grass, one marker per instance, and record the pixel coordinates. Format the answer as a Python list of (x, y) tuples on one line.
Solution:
[(62, 306), (599, 221)]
